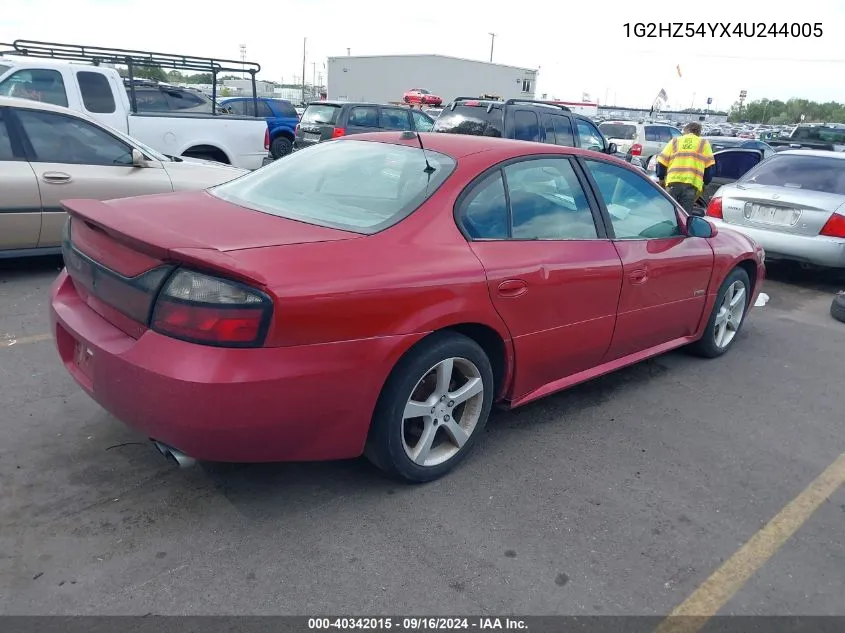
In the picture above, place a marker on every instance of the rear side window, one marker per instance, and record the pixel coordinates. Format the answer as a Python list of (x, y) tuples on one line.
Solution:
[(357, 186), (264, 110), (321, 114), (394, 119), (563, 131), (46, 86), (658, 133), (735, 164), (96, 92), (151, 101), (814, 173), (364, 116), (619, 131), (473, 120), (284, 108), (179, 100), (526, 127)]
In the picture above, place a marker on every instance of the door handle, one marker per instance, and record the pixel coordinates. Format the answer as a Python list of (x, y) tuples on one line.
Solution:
[(638, 276), (56, 177), (512, 288)]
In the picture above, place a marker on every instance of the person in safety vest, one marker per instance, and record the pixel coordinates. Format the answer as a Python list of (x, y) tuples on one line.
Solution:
[(685, 165)]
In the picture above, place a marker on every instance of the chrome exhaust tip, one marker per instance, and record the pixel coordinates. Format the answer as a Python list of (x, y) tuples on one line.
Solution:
[(181, 460)]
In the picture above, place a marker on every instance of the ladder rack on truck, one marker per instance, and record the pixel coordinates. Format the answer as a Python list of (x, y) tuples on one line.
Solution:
[(133, 59)]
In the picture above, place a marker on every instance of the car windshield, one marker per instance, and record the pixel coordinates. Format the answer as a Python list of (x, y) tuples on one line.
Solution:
[(813, 173), (321, 114), (821, 133), (359, 186), (473, 120), (619, 131), (423, 92)]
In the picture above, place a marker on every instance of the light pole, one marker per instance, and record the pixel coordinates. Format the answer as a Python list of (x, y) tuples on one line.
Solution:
[(304, 40), (492, 41), (243, 61)]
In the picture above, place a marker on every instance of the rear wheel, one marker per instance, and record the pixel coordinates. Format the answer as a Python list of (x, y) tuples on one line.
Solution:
[(281, 146), (727, 317), (433, 409), (837, 307)]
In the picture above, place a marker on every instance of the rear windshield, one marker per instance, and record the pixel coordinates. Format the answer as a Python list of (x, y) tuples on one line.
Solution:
[(815, 173), (820, 133), (474, 120), (359, 186), (321, 114), (619, 131)]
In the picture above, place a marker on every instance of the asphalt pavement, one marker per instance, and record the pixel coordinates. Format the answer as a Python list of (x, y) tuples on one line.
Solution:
[(621, 496)]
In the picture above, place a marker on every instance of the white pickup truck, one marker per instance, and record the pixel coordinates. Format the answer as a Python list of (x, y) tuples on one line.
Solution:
[(174, 121)]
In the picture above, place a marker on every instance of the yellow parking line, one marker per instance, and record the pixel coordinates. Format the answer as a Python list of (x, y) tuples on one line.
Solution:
[(35, 338), (692, 614)]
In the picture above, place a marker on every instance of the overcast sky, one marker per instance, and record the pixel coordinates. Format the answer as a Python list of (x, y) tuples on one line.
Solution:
[(579, 47)]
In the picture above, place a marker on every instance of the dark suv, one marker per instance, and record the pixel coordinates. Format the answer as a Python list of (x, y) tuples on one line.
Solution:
[(325, 120), (522, 119)]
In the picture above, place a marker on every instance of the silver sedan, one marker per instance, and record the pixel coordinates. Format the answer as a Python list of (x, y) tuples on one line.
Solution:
[(792, 204)]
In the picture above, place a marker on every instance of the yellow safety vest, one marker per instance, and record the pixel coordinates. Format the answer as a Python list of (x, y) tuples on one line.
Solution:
[(685, 159)]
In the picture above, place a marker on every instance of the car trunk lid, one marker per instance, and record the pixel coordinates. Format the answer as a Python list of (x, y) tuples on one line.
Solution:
[(782, 209), (318, 123)]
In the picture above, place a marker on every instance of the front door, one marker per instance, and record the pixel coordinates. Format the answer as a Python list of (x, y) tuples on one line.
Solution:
[(731, 165), (552, 274), (665, 273), (73, 158)]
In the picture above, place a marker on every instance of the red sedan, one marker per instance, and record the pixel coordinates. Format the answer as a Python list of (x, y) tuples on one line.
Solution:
[(370, 296), (419, 96)]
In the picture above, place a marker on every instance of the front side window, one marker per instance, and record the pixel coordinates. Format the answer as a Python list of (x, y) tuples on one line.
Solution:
[(357, 186), (394, 119), (526, 127), (422, 123), (563, 131), (364, 116), (96, 92), (546, 200), (46, 86), (589, 137), (57, 138), (637, 209)]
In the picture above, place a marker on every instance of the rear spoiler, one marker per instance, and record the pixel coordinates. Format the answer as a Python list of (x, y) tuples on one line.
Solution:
[(123, 228)]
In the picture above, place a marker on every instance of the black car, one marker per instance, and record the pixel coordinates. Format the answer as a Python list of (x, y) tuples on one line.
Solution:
[(718, 143), (522, 119), (325, 120)]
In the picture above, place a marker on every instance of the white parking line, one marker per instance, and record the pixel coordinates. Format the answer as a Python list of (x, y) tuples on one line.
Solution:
[(35, 338)]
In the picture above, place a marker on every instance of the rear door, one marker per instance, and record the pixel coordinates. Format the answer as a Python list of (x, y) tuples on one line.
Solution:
[(20, 201), (731, 165), (524, 123), (73, 158), (552, 273)]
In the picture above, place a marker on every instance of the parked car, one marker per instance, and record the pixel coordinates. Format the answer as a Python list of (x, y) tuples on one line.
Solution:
[(267, 292), (419, 96), (171, 120), (639, 139), (820, 136), (792, 204), (718, 143), (327, 120), (524, 120), (280, 115), (48, 153)]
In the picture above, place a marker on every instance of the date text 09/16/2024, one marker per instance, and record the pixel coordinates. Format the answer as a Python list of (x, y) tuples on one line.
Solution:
[(723, 29), (401, 624)]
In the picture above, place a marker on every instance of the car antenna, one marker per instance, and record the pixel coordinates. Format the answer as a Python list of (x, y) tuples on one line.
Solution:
[(407, 136)]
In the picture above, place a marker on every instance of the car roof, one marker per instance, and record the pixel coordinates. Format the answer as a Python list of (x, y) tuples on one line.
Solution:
[(343, 103), (15, 102), (813, 152), (461, 145)]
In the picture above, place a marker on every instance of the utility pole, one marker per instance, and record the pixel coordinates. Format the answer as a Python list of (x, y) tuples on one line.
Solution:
[(492, 41), (348, 51), (314, 79), (304, 40), (243, 61)]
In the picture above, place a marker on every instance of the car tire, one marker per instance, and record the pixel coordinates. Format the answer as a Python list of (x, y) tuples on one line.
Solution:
[(281, 146), (837, 307), (406, 99), (430, 380), (727, 316)]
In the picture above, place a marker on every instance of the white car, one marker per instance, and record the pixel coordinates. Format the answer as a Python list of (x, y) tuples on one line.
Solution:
[(639, 139)]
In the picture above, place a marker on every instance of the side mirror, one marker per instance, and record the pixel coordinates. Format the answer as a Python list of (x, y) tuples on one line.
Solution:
[(697, 226), (138, 158), (612, 148)]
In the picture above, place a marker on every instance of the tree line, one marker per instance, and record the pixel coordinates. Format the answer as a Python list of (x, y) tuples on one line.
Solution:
[(778, 112)]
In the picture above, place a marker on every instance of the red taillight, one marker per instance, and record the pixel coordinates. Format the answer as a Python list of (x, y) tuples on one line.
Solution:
[(714, 208), (202, 309), (267, 138), (636, 149), (834, 227), (338, 132)]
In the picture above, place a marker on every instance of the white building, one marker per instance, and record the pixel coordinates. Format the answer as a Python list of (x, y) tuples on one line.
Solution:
[(385, 78)]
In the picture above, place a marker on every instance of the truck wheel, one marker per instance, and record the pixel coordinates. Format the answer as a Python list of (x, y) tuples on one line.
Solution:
[(280, 146)]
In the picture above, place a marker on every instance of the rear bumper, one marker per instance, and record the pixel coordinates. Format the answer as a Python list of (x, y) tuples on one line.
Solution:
[(234, 405), (818, 250)]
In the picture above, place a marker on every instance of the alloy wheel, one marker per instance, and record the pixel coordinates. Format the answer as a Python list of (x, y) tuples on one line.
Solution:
[(729, 316)]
